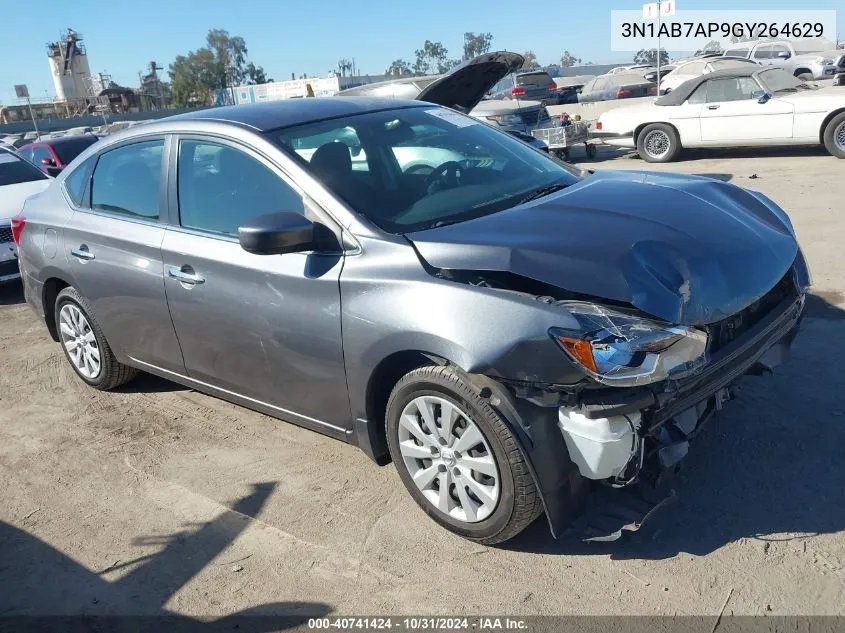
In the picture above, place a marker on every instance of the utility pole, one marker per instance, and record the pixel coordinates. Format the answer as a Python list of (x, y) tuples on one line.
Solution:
[(22, 92)]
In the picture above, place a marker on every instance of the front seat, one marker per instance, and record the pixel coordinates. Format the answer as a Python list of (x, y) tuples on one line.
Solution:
[(332, 164)]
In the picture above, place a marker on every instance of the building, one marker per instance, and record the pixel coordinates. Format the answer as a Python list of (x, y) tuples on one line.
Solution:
[(69, 67)]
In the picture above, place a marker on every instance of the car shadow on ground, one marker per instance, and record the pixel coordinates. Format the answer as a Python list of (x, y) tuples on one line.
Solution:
[(147, 383), (11, 294), (768, 468), (36, 580)]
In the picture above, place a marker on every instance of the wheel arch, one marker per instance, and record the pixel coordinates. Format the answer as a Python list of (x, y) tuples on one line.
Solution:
[(370, 432), (640, 127), (827, 120), (54, 283)]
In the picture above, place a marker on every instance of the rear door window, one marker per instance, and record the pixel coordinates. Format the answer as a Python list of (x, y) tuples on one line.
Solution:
[(127, 180), (76, 184)]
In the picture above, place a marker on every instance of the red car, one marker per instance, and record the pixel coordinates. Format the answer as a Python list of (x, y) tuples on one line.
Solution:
[(53, 155)]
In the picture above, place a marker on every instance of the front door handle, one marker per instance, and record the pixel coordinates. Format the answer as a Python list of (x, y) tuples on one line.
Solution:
[(185, 275), (712, 107), (82, 253)]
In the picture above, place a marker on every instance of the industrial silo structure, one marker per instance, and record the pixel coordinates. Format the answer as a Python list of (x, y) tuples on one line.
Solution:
[(69, 67)]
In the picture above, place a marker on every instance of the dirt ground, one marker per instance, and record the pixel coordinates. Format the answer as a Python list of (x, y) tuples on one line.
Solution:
[(160, 498)]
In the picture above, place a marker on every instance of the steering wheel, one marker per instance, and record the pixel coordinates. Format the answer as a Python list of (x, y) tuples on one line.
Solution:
[(448, 174)]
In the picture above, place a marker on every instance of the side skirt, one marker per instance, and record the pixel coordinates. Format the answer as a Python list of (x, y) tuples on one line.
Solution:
[(285, 415)]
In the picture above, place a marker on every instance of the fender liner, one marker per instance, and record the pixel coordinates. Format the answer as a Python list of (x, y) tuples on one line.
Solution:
[(562, 489)]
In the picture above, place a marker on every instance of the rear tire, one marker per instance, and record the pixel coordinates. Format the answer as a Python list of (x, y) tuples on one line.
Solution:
[(84, 344), (834, 135), (658, 143), (489, 494)]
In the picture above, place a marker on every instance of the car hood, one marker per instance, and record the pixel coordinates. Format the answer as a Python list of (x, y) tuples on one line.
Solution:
[(463, 87), (12, 197), (685, 249)]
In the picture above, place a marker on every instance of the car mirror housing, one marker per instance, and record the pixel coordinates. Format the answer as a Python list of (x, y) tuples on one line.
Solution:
[(277, 233), (49, 162), (761, 95)]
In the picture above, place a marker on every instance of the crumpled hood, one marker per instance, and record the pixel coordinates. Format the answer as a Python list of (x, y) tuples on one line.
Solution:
[(685, 249)]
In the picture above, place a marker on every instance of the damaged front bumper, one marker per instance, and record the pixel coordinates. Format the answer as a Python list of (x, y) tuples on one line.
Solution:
[(636, 438)]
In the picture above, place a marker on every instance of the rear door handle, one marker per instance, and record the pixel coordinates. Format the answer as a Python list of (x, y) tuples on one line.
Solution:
[(185, 275), (712, 107), (82, 253)]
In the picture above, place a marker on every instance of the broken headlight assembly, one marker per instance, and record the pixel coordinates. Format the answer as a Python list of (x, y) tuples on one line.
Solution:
[(622, 349)]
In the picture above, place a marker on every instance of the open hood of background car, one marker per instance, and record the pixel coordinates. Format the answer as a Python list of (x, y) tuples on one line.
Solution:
[(685, 249), (463, 87)]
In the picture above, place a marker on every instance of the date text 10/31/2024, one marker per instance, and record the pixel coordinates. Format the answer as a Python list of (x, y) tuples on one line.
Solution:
[(723, 29), (419, 624)]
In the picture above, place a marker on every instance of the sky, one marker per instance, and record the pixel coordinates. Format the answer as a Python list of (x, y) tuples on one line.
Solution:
[(310, 36)]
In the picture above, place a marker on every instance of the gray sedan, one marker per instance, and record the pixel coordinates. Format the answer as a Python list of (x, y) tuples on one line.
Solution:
[(508, 332)]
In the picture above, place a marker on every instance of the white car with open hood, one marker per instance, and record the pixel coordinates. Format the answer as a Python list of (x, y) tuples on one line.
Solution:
[(19, 180), (736, 107)]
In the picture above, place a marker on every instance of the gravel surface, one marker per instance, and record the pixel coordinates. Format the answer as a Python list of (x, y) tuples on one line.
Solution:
[(157, 497)]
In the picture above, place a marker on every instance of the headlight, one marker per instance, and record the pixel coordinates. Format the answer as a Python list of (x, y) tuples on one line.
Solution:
[(506, 119), (625, 350), (823, 60)]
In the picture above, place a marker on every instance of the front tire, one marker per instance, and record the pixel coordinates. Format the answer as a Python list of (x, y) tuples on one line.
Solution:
[(658, 143), (834, 136), (458, 458), (84, 344)]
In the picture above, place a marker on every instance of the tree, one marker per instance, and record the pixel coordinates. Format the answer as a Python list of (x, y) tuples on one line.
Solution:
[(432, 58), (229, 57), (649, 56), (530, 61), (255, 75), (568, 60), (398, 67), (221, 63), (476, 44), (192, 77), (344, 66)]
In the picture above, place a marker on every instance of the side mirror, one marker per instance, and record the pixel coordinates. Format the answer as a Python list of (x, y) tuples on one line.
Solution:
[(761, 95), (277, 233), (784, 55), (48, 162)]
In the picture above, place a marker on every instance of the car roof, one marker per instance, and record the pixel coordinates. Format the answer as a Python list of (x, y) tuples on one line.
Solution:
[(682, 92), (66, 140), (289, 112)]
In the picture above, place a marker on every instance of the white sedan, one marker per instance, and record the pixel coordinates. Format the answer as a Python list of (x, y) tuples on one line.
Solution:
[(697, 67), (738, 107), (18, 180)]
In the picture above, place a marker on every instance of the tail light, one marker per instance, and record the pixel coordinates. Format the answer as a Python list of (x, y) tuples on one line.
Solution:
[(552, 86), (598, 125), (623, 93), (517, 91), (18, 223)]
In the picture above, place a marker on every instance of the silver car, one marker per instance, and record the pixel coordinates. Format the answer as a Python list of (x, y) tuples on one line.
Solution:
[(507, 331)]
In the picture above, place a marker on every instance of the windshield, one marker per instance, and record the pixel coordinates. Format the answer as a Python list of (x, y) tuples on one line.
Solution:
[(777, 80), (70, 148), (14, 170), (415, 168)]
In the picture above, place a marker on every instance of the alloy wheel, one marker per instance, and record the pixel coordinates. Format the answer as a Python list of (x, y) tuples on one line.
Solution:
[(449, 459), (79, 341), (657, 143), (839, 136)]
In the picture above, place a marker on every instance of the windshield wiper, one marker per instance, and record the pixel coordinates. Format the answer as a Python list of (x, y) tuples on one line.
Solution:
[(542, 191)]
